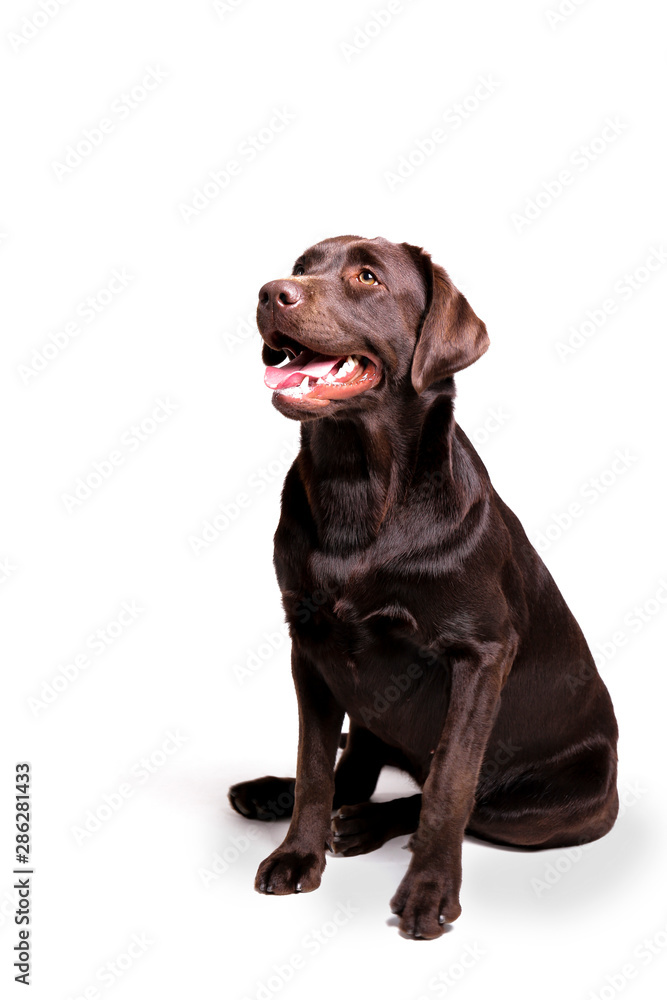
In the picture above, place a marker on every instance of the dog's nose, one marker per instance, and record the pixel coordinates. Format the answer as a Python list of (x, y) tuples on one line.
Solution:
[(280, 294)]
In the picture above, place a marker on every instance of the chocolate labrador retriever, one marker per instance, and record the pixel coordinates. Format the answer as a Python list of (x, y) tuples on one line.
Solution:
[(416, 603)]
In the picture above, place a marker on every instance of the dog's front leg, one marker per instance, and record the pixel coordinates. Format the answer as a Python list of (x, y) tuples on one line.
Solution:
[(428, 896), (297, 865)]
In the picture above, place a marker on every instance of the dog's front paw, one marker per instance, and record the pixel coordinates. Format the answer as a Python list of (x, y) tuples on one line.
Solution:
[(425, 904), (285, 871)]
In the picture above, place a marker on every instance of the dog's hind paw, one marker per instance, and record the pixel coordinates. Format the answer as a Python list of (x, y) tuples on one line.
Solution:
[(264, 798)]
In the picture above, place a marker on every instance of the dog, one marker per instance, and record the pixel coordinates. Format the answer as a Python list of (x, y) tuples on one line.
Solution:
[(416, 604)]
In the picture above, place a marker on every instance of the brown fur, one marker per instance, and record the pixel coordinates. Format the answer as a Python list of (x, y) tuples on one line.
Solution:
[(417, 606)]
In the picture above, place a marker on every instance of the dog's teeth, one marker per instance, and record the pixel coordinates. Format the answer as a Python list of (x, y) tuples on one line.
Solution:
[(348, 365), (296, 390)]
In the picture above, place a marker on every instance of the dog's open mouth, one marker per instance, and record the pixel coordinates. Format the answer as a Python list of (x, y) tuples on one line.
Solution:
[(323, 376)]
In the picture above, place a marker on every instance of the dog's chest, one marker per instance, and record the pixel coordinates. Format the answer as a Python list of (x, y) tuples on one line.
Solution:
[(359, 630)]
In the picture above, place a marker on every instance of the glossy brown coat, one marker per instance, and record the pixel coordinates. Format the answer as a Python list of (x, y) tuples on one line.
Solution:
[(417, 606)]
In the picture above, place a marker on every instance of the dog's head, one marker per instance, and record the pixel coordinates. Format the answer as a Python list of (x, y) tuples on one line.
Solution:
[(361, 320)]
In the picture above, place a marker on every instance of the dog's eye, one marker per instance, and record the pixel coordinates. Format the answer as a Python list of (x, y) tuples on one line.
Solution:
[(368, 278), (299, 270)]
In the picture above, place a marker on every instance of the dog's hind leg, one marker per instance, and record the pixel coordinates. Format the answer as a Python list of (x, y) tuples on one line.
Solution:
[(364, 755), (568, 801), (358, 768), (359, 826), (266, 798)]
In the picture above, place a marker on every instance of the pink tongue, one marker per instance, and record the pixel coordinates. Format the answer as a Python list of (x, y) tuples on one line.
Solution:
[(307, 363)]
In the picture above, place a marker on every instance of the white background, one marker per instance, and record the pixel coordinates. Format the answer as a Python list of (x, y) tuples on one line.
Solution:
[(542, 924)]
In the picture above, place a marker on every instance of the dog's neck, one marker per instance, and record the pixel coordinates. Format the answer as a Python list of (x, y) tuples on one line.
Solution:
[(358, 469)]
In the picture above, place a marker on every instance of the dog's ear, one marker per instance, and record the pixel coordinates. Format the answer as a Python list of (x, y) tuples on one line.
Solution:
[(451, 335)]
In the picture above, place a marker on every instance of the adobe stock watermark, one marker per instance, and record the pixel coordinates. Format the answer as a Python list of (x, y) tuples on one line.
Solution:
[(634, 621), (398, 685), (556, 870), (235, 848), (130, 442), (452, 119), (371, 28), (112, 971), (244, 332), (495, 419), (562, 12), (503, 753), (7, 569), (247, 151), (311, 944), (224, 7), (33, 24), (256, 658), (7, 907), (644, 954), (624, 289), (434, 481), (95, 644), (121, 108), (86, 312), (272, 641), (443, 982), (214, 526), (588, 495), (308, 606), (578, 163), (139, 774)]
